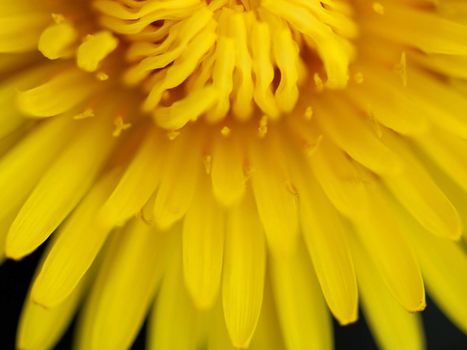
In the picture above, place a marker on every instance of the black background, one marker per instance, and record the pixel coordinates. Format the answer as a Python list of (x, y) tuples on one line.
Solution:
[(15, 278)]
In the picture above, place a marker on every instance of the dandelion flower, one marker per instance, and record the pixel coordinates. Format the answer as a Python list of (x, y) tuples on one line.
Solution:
[(239, 170)]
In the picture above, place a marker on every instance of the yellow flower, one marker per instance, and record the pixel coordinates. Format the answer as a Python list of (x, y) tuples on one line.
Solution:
[(239, 169)]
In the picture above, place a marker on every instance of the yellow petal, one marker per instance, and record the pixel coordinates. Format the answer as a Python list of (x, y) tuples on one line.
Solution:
[(203, 247), (338, 175), (448, 38), (10, 117), (390, 251), (174, 322), (418, 193), (8, 142), (125, 285), (443, 265), (302, 312), (392, 325), (18, 175), (268, 334), (325, 237), (437, 101), (374, 97), (40, 328), (448, 151), (26, 26), (58, 95), (11, 61), (5, 223), (276, 202), (70, 255), (179, 180), (59, 190), (137, 183), (350, 132), (217, 335), (227, 175), (456, 194), (243, 276), (453, 66)]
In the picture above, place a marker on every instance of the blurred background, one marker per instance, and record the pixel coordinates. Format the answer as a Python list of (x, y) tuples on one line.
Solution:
[(16, 276)]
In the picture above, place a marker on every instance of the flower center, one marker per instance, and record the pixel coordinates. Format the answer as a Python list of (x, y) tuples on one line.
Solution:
[(224, 60)]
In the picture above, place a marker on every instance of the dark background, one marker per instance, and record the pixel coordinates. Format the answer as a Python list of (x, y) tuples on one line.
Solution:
[(15, 278)]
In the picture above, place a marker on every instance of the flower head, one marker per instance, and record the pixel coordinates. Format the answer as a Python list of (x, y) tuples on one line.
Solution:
[(247, 167)]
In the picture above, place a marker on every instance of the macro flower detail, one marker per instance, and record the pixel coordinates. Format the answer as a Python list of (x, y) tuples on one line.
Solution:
[(241, 171)]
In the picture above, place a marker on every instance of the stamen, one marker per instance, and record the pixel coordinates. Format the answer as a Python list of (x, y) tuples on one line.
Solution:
[(308, 113), (57, 39), (378, 8), (94, 49), (102, 76), (247, 56), (263, 126), (225, 131), (120, 126), (87, 113), (359, 78)]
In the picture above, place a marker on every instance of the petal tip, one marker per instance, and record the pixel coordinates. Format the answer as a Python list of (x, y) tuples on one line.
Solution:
[(348, 319), (14, 251), (43, 298)]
